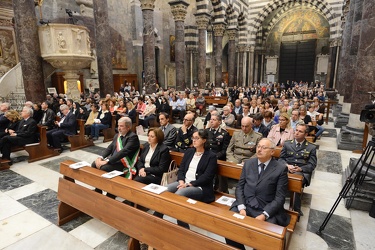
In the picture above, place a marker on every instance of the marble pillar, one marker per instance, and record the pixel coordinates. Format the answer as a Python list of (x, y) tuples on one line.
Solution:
[(202, 20), (219, 29), (251, 66), (191, 53), (29, 50), (232, 33), (149, 65), (332, 64), (103, 50), (179, 11), (241, 56)]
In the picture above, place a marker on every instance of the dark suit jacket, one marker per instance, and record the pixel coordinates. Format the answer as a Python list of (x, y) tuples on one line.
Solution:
[(69, 125), (304, 157), (50, 119), (159, 162), (263, 130), (205, 173), (268, 192), (27, 130), (132, 114), (130, 146), (107, 119), (3, 122), (170, 134)]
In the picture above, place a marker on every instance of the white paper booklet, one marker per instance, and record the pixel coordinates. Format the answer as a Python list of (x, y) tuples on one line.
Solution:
[(154, 188), (112, 174), (225, 200), (80, 165)]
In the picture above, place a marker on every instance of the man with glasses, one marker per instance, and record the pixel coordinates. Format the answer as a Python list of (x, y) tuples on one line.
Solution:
[(299, 156), (218, 140), (262, 188), (184, 134), (242, 145)]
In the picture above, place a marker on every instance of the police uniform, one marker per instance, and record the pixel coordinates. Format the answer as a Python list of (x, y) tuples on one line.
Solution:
[(240, 144), (184, 140), (303, 156), (218, 140)]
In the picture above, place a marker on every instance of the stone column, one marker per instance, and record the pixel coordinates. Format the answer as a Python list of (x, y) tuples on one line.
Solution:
[(103, 48), (149, 65), (251, 66), (29, 49), (202, 20), (191, 65), (232, 33), (219, 29), (241, 55), (331, 63), (178, 8)]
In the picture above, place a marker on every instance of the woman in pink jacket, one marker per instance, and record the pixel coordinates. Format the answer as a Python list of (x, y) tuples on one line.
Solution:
[(282, 131)]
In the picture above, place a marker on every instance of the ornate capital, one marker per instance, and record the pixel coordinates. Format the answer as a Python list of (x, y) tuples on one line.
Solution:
[(179, 10), (202, 20), (232, 34), (6, 22), (219, 29), (242, 47), (147, 4)]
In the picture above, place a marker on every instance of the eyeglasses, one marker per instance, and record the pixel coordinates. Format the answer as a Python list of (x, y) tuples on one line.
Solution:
[(263, 147), (195, 138), (186, 120)]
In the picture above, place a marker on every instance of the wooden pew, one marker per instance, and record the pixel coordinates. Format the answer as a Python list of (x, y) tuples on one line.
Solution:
[(232, 170), (154, 231), (37, 151), (79, 141), (109, 133), (216, 100)]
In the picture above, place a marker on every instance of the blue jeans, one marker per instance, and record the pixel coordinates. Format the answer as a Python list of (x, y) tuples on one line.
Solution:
[(190, 192), (96, 127), (320, 131)]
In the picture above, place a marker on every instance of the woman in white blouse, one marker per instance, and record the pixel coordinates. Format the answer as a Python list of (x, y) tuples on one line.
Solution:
[(154, 160)]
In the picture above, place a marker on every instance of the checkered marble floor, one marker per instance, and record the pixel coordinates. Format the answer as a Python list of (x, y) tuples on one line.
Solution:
[(28, 207)]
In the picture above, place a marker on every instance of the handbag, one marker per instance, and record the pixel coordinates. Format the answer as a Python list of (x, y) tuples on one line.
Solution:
[(171, 175), (139, 130)]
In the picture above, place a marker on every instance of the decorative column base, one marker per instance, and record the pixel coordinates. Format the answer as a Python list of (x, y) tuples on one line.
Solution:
[(71, 77), (351, 137)]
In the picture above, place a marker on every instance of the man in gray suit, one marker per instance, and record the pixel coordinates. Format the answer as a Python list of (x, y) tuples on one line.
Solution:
[(299, 156), (168, 129), (262, 188)]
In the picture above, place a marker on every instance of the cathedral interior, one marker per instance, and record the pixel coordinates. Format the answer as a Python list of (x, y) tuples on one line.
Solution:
[(71, 46)]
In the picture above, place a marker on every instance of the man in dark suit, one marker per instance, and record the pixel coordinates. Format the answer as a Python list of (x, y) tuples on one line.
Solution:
[(299, 156), (4, 107), (122, 153), (262, 188), (48, 118), (184, 134), (258, 125), (24, 134), (170, 131), (65, 127)]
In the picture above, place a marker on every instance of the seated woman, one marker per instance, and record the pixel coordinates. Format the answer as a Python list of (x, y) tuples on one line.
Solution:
[(14, 119), (281, 132), (131, 112), (103, 121), (148, 114), (154, 160), (200, 103), (196, 172)]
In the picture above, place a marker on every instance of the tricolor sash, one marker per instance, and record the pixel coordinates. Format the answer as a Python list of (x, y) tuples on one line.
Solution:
[(129, 163)]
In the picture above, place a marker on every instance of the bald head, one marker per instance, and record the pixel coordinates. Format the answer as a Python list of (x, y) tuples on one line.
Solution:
[(246, 125)]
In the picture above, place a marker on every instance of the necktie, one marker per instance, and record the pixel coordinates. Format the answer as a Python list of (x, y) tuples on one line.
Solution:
[(163, 128), (262, 165), (298, 145)]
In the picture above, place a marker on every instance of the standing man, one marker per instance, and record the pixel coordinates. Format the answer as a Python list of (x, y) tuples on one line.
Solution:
[(48, 118), (299, 156), (181, 105), (218, 140), (65, 127), (243, 144), (170, 131), (262, 188), (184, 134), (25, 134)]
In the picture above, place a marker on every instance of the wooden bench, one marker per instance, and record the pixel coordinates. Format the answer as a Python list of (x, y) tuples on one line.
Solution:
[(110, 132), (79, 141), (156, 232), (37, 151), (216, 100), (232, 170)]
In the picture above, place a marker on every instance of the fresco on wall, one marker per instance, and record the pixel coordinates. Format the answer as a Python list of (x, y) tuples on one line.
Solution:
[(118, 51), (8, 56), (307, 22)]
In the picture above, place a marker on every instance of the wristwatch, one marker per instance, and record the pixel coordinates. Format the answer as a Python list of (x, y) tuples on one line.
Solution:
[(265, 215)]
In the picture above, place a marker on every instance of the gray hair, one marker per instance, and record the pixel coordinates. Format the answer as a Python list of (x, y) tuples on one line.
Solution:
[(63, 107), (127, 121), (272, 144), (6, 105), (29, 110), (218, 117)]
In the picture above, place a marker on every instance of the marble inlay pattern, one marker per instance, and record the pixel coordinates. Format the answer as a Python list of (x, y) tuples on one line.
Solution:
[(338, 233), (44, 203), (69, 226), (329, 161), (116, 241), (11, 180), (94, 149), (330, 133), (55, 164)]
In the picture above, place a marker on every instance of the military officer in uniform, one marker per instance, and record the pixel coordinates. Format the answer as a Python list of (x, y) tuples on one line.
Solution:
[(243, 144), (218, 140), (300, 157), (184, 134)]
